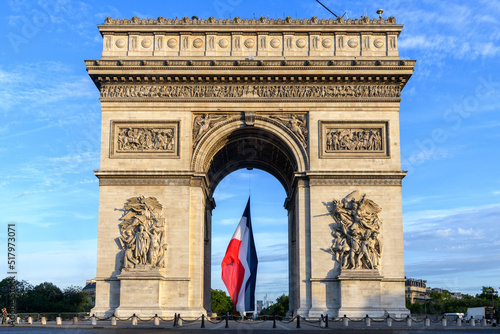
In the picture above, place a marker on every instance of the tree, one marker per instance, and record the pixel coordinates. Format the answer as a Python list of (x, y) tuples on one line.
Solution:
[(75, 300), (21, 289), (280, 308), (45, 297), (221, 303)]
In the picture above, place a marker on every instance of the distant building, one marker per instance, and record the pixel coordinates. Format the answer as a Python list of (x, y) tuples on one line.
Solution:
[(438, 290), (260, 303), (416, 290), (90, 289), (456, 295)]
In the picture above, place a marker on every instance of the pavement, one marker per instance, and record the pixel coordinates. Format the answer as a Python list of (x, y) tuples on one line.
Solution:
[(242, 327)]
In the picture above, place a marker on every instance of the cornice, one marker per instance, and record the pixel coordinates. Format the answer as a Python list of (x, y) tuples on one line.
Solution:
[(256, 64), (238, 23), (235, 72)]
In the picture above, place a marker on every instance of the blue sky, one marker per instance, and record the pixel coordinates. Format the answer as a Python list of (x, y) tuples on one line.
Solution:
[(450, 138)]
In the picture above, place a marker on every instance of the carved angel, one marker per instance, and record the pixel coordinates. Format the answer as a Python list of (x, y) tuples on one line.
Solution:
[(296, 125), (202, 125)]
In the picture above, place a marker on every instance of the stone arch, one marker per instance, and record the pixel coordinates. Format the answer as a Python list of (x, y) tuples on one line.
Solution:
[(266, 145)]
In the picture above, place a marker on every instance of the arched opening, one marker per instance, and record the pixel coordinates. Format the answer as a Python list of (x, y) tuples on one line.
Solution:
[(239, 147), (270, 228)]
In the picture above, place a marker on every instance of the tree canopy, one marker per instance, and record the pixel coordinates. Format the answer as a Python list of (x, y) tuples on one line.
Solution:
[(44, 297), (280, 308), (442, 302), (221, 303)]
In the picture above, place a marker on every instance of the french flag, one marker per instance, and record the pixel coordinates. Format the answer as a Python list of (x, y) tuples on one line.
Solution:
[(239, 266)]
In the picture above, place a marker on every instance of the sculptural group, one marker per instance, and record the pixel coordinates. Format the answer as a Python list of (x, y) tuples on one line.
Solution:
[(356, 243), (143, 233)]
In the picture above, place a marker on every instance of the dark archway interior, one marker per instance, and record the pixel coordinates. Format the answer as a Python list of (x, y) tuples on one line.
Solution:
[(251, 147)]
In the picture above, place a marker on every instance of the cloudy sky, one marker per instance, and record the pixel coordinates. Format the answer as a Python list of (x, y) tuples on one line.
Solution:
[(450, 133)]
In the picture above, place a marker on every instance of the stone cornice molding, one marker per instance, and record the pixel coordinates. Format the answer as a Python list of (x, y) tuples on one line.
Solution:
[(239, 23), (260, 65), (148, 178), (387, 72), (351, 178)]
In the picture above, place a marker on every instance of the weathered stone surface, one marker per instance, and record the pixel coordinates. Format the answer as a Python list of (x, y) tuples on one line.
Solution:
[(313, 102)]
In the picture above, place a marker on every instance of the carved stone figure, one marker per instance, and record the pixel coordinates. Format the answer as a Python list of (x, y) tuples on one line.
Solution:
[(256, 91), (202, 124), (355, 233), (142, 233), (297, 124), (145, 139), (353, 140)]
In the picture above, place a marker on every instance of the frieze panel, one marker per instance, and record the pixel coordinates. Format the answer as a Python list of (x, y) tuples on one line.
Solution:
[(354, 139), (355, 182), (148, 139), (326, 91)]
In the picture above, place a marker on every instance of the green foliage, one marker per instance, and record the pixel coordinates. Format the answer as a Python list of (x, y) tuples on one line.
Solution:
[(442, 302), (45, 297), (280, 308), (221, 303)]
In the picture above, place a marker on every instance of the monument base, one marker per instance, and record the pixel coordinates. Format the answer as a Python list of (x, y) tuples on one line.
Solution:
[(145, 292), (360, 293)]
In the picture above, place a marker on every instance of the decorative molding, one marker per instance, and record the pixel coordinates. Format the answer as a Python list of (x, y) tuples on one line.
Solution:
[(174, 91), (144, 139), (355, 182), (211, 21), (356, 243), (143, 182), (238, 65), (354, 139)]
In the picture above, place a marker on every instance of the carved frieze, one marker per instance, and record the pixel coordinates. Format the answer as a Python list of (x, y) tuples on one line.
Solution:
[(147, 139), (356, 243), (251, 22), (353, 139), (204, 122), (142, 234), (325, 91)]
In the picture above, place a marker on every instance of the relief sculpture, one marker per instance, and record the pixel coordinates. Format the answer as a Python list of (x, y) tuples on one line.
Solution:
[(356, 243), (297, 124), (143, 234), (203, 123), (354, 140), (250, 91), (145, 139)]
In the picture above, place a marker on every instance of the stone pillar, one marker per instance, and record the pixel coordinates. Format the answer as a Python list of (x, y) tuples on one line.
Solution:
[(303, 248)]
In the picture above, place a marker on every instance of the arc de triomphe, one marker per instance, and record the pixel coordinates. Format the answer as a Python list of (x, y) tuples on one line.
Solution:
[(314, 102)]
